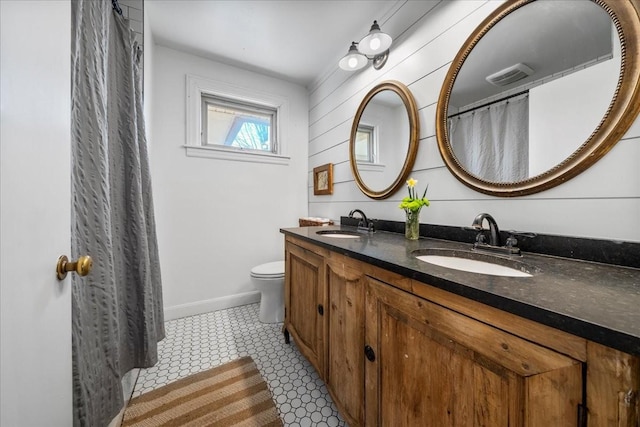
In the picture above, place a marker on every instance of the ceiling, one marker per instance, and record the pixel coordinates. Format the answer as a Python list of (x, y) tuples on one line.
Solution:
[(299, 41), (548, 36)]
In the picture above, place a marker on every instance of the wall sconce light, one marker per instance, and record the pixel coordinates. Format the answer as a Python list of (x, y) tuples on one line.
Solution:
[(374, 46)]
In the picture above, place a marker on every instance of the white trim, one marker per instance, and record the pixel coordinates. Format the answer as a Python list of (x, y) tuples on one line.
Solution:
[(196, 86), (211, 152), (206, 306), (371, 167)]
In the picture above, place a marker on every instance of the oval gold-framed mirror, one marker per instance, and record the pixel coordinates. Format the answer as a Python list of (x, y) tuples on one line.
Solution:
[(384, 139), (616, 116)]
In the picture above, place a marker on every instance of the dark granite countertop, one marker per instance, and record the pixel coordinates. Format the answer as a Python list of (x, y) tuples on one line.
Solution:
[(599, 302)]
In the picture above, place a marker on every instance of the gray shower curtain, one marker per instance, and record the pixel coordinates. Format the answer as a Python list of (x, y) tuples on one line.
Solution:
[(117, 309)]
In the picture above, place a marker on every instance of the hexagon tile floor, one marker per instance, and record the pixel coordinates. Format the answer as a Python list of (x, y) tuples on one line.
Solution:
[(196, 343)]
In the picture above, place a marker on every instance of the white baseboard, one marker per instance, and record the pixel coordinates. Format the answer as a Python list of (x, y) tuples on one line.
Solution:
[(206, 306)]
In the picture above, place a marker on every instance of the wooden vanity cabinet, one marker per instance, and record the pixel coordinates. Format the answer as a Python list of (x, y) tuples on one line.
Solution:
[(345, 338), (305, 299), (397, 352), (431, 366)]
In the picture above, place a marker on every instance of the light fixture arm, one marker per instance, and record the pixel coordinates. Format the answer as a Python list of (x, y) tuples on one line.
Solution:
[(379, 60), (371, 57)]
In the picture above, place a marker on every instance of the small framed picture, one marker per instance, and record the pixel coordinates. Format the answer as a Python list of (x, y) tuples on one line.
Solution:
[(323, 179)]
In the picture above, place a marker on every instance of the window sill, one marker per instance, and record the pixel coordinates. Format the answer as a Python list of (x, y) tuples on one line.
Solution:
[(237, 155), (370, 167)]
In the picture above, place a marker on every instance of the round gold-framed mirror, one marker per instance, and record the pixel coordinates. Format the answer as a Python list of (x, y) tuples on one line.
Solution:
[(612, 119), (384, 139)]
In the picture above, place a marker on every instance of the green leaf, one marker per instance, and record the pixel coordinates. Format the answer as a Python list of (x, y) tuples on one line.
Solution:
[(425, 191)]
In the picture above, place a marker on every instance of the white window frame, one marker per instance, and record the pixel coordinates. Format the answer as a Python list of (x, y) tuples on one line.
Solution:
[(374, 166), (372, 151), (242, 108), (197, 86)]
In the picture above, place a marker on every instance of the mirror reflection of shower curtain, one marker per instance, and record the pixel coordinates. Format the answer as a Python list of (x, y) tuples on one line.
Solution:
[(117, 314), (492, 143)]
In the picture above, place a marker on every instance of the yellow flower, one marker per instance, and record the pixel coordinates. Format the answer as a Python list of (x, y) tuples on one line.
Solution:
[(413, 203)]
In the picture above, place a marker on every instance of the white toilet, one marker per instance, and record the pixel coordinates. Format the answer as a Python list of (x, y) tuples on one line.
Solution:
[(269, 280)]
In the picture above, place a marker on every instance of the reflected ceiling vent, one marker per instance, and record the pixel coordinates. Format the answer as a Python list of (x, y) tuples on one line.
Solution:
[(509, 75)]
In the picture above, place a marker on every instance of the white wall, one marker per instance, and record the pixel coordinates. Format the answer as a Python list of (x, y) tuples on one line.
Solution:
[(562, 114), (602, 202), (216, 219)]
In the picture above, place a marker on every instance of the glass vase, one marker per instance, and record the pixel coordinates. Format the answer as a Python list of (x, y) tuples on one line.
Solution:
[(412, 225)]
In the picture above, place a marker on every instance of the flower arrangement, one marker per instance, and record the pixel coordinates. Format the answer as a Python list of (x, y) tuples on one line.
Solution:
[(412, 203), (412, 206)]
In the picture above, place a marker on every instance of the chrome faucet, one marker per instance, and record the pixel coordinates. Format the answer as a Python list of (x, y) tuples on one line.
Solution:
[(494, 231), (364, 223)]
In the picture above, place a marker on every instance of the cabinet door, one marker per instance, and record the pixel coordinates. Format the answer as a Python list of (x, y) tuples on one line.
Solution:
[(436, 367), (304, 302), (345, 342)]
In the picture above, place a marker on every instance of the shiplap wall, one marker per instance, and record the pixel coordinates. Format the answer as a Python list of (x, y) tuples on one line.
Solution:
[(602, 202)]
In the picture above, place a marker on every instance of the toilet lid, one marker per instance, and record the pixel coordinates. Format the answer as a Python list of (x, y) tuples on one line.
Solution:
[(270, 269)]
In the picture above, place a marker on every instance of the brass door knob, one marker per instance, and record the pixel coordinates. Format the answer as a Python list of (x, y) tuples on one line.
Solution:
[(82, 266)]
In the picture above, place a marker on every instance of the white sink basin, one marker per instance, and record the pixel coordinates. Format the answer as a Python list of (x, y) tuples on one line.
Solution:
[(473, 262), (339, 234), (473, 266)]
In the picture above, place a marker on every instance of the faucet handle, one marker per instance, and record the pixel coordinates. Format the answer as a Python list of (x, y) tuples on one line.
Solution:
[(371, 226), (367, 225), (514, 233), (512, 242), (480, 235)]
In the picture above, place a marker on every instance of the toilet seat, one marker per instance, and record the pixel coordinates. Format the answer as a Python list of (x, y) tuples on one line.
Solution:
[(270, 270)]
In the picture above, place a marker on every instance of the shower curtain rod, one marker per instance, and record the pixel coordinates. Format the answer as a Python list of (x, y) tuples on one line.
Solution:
[(488, 103), (116, 7)]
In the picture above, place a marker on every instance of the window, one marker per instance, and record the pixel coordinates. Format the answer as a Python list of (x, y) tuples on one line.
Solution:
[(230, 122), (238, 125), (365, 144)]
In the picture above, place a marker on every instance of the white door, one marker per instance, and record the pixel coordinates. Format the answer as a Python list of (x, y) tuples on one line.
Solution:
[(35, 56)]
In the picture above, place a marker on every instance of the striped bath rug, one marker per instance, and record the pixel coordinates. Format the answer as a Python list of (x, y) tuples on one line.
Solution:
[(233, 394)]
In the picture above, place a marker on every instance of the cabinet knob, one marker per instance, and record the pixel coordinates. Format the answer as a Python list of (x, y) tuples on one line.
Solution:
[(320, 309), (371, 355)]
